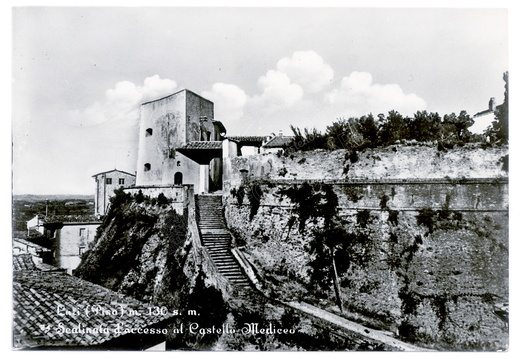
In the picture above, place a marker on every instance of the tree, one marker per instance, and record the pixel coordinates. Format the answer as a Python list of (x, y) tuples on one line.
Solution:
[(368, 129), (341, 134), (501, 123), (457, 126), (392, 128), (498, 132), (425, 126)]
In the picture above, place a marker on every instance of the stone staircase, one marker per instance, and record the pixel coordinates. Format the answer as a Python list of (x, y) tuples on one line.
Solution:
[(217, 239)]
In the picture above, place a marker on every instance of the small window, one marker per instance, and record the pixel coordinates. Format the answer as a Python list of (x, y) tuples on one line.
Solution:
[(177, 178), (178, 163), (121, 181), (149, 132), (82, 231), (108, 180), (171, 153), (147, 167), (81, 250)]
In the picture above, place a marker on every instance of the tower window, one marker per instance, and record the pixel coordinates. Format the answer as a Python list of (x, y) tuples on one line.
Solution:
[(178, 163), (108, 180), (177, 178), (147, 167), (149, 132), (121, 181)]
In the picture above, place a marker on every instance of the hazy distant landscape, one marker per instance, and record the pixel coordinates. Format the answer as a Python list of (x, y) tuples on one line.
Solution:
[(26, 206)]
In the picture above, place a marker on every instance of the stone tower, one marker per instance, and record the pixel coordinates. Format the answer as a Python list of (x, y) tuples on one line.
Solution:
[(167, 124)]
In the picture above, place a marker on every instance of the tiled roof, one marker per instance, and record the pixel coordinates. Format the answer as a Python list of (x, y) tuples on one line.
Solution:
[(53, 309), (487, 112), (278, 141), (202, 145), (114, 170), (23, 261), (25, 242), (70, 218), (247, 138)]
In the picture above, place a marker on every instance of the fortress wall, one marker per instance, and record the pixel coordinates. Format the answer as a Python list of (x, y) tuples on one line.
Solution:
[(454, 279)]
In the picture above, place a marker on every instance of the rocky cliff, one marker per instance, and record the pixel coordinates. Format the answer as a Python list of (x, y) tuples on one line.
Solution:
[(147, 250)]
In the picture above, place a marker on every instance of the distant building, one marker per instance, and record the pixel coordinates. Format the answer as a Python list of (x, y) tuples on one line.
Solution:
[(276, 143), (484, 119), (71, 236), (248, 145), (35, 224), (39, 254), (106, 183)]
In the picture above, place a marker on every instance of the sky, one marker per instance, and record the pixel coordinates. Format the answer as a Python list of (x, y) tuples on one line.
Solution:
[(79, 74)]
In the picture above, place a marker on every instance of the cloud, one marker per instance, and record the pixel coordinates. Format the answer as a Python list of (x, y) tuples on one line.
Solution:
[(307, 69), (229, 101), (277, 91), (154, 88), (121, 102), (294, 93), (358, 95)]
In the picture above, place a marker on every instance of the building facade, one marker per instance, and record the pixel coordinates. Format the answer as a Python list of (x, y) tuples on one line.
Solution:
[(71, 237), (106, 183), (171, 123), (484, 119)]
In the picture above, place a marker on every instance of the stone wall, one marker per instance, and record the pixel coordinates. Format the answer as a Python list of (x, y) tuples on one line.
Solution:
[(395, 162), (439, 287), (176, 193)]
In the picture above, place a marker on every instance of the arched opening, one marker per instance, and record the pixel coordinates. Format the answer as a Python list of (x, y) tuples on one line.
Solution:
[(147, 167), (215, 174), (177, 178)]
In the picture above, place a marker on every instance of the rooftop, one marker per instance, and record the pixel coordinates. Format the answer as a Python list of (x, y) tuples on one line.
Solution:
[(248, 140), (80, 218), (201, 145), (278, 141), (25, 262), (114, 170), (53, 309)]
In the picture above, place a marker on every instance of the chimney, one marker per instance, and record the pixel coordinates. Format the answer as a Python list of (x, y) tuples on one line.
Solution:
[(492, 104), (280, 133)]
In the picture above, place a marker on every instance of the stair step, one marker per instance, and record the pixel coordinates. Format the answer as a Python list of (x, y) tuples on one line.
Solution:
[(230, 271), (224, 263), (220, 254), (221, 263), (217, 239), (218, 247)]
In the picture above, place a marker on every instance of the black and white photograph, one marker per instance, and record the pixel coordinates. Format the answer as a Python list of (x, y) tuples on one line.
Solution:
[(260, 178)]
